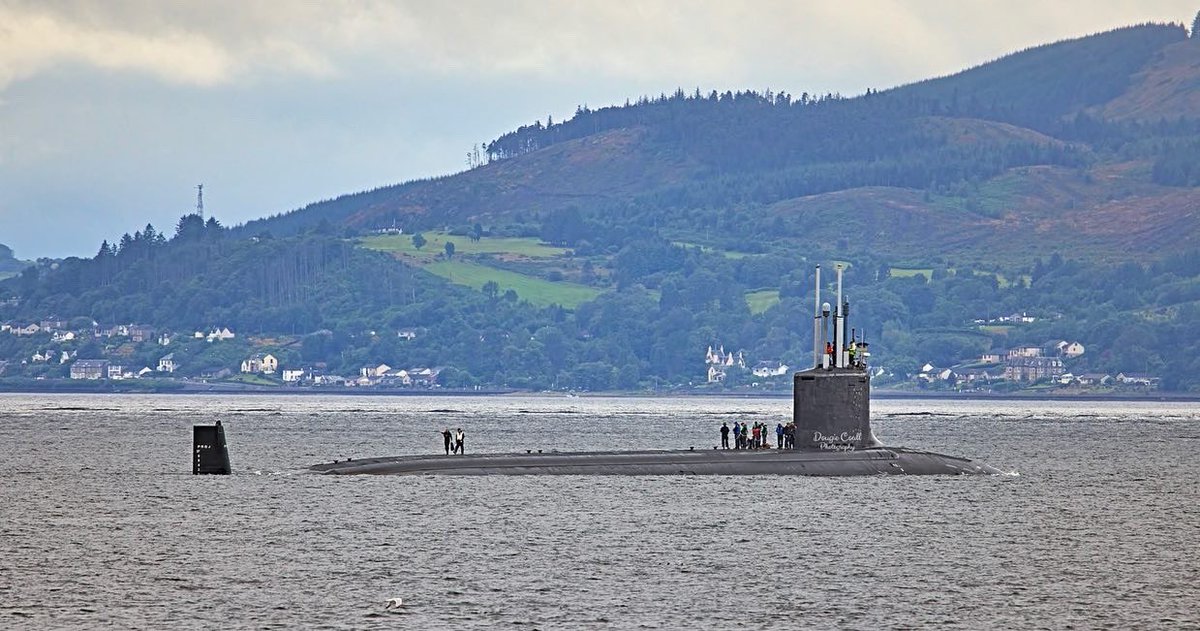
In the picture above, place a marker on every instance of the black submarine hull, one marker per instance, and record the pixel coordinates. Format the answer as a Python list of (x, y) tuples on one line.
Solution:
[(874, 461)]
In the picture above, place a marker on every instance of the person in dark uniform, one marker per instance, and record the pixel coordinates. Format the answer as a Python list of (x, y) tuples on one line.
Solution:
[(725, 435), (446, 439)]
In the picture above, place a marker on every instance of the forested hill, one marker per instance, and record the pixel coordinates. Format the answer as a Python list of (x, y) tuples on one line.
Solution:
[(1056, 148), (1045, 197)]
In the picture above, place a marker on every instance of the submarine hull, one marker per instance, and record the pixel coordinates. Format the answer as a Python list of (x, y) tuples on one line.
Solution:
[(876, 461), (831, 423)]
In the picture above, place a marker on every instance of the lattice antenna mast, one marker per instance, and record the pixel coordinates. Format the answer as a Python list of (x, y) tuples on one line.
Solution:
[(200, 200)]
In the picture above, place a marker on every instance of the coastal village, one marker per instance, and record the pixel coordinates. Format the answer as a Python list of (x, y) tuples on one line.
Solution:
[(1045, 367), (119, 342)]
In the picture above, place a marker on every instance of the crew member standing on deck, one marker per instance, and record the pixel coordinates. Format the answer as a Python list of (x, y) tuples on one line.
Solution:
[(460, 445), (779, 435), (725, 435), (446, 439)]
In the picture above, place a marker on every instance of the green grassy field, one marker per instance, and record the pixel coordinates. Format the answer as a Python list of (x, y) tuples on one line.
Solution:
[(436, 243), (536, 290), (760, 301)]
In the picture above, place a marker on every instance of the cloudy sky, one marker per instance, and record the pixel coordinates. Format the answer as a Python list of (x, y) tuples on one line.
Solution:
[(112, 111)]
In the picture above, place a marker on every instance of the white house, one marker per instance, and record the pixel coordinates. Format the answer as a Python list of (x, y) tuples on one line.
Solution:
[(266, 364), (1025, 351), (722, 358), (398, 377), (63, 336), (424, 376), (770, 369), (1137, 379), (376, 371), (1074, 349), (166, 363), (220, 334), (293, 375), (89, 369)]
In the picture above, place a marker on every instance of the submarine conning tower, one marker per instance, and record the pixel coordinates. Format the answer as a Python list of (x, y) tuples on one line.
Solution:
[(831, 401)]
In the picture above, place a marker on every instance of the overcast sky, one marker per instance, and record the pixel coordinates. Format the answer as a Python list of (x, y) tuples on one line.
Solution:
[(112, 111)]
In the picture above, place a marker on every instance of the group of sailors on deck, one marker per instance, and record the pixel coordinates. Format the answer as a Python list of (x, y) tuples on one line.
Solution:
[(757, 435)]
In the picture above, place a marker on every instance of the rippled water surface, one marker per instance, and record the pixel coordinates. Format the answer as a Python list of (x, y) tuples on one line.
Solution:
[(101, 523)]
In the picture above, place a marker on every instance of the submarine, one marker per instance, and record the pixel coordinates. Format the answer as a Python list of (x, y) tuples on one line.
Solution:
[(832, 432)]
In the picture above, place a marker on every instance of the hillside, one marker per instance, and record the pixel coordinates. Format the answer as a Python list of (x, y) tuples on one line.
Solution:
[(970, 151), (611, 249)]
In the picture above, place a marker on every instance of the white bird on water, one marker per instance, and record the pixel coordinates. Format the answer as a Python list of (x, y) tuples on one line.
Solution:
[(394, 603)]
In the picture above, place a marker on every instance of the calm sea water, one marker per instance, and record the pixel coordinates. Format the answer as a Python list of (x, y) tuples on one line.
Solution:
[(101, 523)]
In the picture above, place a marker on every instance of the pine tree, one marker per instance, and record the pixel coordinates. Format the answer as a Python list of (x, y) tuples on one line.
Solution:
[(1196, 24)]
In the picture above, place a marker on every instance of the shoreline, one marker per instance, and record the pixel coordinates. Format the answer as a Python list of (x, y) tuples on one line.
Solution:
[(66, 387)]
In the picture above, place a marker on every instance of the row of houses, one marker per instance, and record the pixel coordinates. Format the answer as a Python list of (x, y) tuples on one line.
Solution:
[(384, 375), (1012, 318), (58, 331), (381, 375), (1061, 348), (1031, 369), (719, 361), (103, 369)]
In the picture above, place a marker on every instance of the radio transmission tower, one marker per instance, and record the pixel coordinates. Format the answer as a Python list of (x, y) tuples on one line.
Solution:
[(200, 200)]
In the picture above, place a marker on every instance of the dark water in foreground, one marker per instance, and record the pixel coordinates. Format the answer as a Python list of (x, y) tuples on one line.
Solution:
[(101, 524)]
